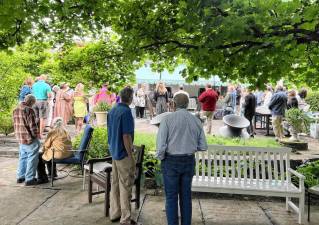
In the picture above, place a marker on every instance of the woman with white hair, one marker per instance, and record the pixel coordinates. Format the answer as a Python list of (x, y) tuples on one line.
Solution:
[(59, 140)]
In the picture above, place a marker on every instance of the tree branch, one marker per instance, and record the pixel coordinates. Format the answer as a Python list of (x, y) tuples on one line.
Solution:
[(18, 27), (160, 43), (219, 11)]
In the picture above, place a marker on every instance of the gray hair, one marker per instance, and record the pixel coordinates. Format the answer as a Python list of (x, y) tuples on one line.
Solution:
[(126, 94), (279, 87), (57, 122), (181, 101), (29, 100)]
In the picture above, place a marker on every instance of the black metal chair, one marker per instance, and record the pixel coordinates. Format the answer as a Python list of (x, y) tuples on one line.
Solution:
[(79, 155)]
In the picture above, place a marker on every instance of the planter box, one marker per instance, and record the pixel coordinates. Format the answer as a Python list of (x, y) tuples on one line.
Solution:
[(101, 119)]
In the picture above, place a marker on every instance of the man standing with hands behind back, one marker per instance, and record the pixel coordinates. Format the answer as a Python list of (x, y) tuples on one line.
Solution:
[(120, 124), (179, 136), (27, 133)]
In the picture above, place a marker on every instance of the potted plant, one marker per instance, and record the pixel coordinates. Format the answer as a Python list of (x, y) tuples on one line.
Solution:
[(299, 122), (100, 111), (313, 101)]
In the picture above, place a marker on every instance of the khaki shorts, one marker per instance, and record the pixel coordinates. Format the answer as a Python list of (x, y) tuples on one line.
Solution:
[(41, 109)]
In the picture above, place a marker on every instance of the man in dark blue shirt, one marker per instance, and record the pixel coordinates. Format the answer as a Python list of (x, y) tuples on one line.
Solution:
[(277, 106), (120, 124)]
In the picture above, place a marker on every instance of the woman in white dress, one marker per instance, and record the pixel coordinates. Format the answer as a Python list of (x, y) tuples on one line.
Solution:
[(140, 102)]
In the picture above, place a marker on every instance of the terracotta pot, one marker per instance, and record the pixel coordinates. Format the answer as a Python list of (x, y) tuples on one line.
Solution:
[(101, 119)]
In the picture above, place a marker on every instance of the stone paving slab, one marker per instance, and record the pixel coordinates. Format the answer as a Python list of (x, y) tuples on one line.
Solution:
[(18, 203), (153, 212), (278, 214), (68, 208), (226, 212)]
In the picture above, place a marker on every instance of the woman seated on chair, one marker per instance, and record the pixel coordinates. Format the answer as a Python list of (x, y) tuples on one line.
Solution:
[(59, 140)]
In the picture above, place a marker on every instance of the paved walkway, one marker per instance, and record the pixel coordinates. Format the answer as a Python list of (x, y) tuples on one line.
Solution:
[(67, 204)]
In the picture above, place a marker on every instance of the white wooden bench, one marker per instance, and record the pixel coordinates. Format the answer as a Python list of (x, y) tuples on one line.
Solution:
[(249, 171)]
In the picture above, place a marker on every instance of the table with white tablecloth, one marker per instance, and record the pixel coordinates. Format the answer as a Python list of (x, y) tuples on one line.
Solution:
[(263, 116)]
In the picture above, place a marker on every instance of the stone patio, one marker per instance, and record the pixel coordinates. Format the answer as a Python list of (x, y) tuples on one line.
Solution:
[(67, 204)]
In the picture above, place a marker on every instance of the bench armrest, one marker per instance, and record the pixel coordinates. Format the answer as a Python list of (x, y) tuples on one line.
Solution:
[(294, 172), (95, 160), (74, 150)]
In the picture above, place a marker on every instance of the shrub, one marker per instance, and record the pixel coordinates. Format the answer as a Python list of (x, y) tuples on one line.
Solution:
[(311, 171), (6, 125), (313, 100), (98, 147), (102, 107), (298, 119)]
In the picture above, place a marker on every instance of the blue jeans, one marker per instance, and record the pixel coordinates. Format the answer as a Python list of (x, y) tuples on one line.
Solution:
[(178, 172), (28, 160)]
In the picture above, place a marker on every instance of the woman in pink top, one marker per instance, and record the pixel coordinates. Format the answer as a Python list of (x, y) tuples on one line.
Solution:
[(104, 96)]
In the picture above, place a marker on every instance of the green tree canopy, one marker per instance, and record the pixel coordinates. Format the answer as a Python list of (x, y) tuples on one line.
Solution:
[(92, 64), (15, 67), (254, 41)]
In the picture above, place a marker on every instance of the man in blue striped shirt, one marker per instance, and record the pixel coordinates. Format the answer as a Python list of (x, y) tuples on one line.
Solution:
[(180, 135)]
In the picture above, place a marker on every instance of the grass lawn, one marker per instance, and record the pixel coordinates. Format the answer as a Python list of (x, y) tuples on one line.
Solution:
[(149, 140)]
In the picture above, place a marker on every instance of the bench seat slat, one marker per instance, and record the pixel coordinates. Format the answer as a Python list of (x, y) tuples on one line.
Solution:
[(238, 184)]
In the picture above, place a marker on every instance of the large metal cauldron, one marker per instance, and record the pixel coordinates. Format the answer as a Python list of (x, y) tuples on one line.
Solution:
[(234, 126), (158, 119)]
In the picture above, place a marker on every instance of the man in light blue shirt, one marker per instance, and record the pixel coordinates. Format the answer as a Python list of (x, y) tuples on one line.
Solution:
[(180, 135), (42, 92)]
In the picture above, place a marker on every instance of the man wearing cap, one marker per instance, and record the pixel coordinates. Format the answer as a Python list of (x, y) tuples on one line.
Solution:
[(208, 99), (179, 136), (42, 92)]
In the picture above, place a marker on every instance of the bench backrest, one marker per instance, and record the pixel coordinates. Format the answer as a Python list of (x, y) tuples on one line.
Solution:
[(243, 164)]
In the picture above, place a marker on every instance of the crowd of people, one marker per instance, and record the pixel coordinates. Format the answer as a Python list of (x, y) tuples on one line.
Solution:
[(244, 101), (177, 140), (62, 101), (43, 112)]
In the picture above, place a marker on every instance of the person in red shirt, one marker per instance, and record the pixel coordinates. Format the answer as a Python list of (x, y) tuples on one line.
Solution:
[(208, 99)]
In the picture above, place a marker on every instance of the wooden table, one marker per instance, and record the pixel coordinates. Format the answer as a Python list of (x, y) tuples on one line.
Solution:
[(264, 114)]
